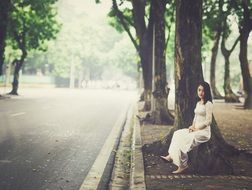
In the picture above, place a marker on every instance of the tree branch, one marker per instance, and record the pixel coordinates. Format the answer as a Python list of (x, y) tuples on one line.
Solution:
[(236, 41), (169, 34), (122, 19), (224, 50), (129, 21)]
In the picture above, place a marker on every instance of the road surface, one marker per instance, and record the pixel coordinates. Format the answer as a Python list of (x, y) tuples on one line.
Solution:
[(49, 138)]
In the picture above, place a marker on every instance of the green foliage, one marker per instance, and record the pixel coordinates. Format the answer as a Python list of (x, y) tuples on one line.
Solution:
[(32, 23), (115, 22), (88, 43)]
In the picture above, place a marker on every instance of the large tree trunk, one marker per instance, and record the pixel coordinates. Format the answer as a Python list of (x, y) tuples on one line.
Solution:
[(160, 114), (212, 158), (216, 93), (229, 94), (4, 12), (145, 56), (243, 57), (144, 35), (188, 69)]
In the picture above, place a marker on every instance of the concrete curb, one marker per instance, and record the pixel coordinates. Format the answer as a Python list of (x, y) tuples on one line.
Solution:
[(137, 176), (95, 175), (121, 169)]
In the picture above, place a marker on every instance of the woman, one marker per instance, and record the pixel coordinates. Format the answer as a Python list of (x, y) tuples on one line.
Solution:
[(184, 140)]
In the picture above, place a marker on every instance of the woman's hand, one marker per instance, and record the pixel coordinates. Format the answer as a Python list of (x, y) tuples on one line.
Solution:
[(191, 128)]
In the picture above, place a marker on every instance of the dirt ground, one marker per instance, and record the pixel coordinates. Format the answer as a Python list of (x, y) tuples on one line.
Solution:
[(235, 124)]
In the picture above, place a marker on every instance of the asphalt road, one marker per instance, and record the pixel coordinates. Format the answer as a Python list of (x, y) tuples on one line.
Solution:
[(49, 139)]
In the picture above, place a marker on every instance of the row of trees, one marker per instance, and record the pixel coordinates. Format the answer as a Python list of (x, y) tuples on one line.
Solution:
[(25, 25), (84, 46), (216, 26), (211, 157)]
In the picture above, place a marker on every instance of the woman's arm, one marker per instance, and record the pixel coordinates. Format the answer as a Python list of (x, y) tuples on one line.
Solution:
[(209, 115)]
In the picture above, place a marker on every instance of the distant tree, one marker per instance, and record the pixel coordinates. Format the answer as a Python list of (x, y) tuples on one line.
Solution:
[(126, 19), (32, 23), (230, 96), (243, 9), (212, 19)]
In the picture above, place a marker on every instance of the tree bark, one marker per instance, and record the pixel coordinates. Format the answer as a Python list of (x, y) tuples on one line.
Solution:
[(145, 56), (212, 157), (21, 41), (4, 13), (161, 114), (188, 69), (243, 57), (216, 93), (18, 66), (229, 94)]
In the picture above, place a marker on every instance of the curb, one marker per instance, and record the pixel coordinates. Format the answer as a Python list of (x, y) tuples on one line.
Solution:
[(137, 176), (95, 178), (121, 169)]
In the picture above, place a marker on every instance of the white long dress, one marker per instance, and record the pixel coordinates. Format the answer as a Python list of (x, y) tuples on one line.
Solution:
[(183, 141)]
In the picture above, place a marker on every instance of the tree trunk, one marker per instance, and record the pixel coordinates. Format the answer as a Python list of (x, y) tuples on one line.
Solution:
[(216, 93), (18, 66), (145, 56), (229, 94), (160, 114), (4, 12), (212, 157), (218, 30), (144, 35), (243, 57), (247, 82), (188, 69)]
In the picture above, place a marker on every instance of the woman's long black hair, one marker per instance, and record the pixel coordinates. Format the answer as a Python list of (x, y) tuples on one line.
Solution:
[(207, 91)]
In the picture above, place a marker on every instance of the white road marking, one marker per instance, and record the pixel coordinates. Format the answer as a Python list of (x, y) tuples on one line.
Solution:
[(5, 161), (17, 114)]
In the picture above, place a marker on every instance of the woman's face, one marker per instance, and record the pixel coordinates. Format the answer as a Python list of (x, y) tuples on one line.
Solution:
[(201, 92)]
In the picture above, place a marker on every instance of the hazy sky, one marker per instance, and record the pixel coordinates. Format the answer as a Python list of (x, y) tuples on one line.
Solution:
[(93, 10)]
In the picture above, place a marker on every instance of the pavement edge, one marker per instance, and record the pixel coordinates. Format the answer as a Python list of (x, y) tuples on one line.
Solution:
[(137, 176), (95, 174)]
